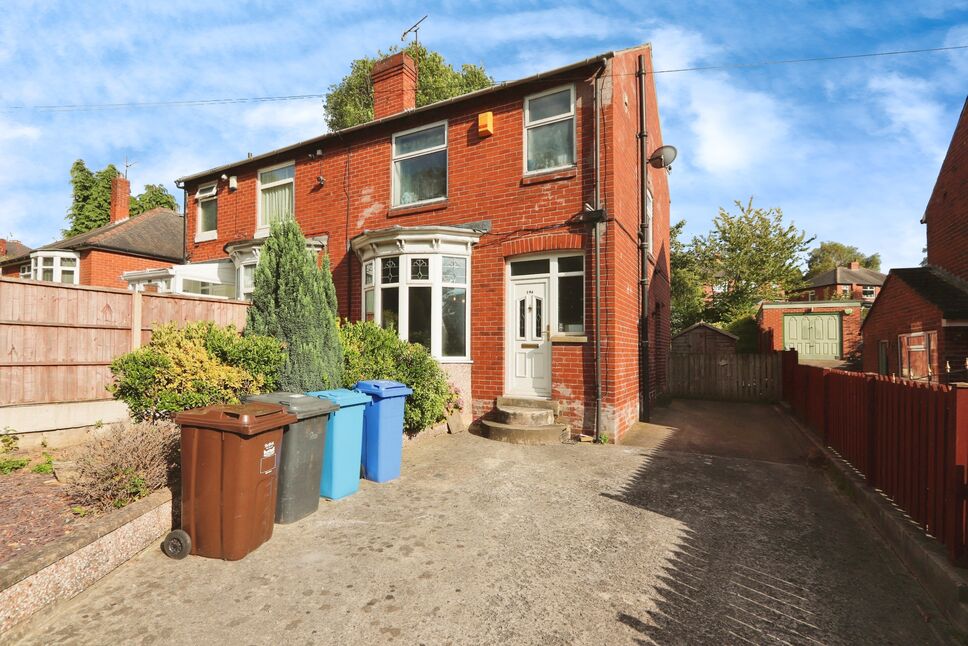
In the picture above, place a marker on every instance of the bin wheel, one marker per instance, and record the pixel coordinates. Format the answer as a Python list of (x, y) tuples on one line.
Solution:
[(177, 544)]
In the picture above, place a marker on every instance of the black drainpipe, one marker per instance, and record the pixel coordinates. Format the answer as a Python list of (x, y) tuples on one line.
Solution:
[(598, 254), (644, 402)]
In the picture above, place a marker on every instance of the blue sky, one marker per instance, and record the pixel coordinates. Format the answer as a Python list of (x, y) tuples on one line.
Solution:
[(849, 150)]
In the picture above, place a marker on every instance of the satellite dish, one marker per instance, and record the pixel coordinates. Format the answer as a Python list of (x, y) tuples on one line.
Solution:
[(663, 156)]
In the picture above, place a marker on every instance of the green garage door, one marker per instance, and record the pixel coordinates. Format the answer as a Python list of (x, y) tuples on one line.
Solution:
[(814, 336)]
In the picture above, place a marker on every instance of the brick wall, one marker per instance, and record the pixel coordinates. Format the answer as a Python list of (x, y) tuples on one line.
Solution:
[(770, 322), (947, 212), (899, 310), (104, 268), (527, 214)]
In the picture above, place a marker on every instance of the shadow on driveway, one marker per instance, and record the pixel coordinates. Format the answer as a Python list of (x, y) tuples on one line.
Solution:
[(771, 552)]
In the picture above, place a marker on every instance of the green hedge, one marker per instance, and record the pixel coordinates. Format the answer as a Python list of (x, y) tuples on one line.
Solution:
[(199, 365), (370, 352)]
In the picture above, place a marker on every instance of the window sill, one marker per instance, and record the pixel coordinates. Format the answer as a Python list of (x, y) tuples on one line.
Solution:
[(261, 233), (207, 236), (423, 207), (453, 360), (550, 176), (568, 339)]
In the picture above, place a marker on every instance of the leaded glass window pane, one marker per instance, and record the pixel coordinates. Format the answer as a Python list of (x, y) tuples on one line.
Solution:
[(454, 270), (420, 269), (390, 270)]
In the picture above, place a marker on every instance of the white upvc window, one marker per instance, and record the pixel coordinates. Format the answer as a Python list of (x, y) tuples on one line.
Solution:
[(276, 195), (246, 281), (868, 291), (424, 297), (207, 221), (566, 271), (55, 266), (419, 171), (25, 271), (549, 130)]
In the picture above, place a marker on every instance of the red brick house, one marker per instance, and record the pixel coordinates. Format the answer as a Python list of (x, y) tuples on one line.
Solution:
[(918, 326), (852, 282), (100, 256), (469, 226), (818, 330)]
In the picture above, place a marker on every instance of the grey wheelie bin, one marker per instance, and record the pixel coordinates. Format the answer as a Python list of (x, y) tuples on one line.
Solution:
[(301, 457)]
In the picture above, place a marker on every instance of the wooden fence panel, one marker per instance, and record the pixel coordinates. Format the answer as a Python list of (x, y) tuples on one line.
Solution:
[(57, 341), (909, 439), (731, 377)]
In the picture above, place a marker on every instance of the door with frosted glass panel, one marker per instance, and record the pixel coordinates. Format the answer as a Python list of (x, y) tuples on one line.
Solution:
[(529, 361)]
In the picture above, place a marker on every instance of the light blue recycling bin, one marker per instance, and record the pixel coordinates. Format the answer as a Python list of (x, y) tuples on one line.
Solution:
[(383, 429), (344, 442)]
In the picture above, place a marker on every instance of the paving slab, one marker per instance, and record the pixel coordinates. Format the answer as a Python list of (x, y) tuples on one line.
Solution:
[(482, 542)]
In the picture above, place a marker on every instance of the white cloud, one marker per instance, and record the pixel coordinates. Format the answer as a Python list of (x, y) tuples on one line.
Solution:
[(912, 114)]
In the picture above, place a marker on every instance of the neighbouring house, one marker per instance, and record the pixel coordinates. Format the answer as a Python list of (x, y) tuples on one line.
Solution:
[(818, 330), (918, 326), (12, 249), (469, 226), (100, 256), (852, 282), (703, 338)]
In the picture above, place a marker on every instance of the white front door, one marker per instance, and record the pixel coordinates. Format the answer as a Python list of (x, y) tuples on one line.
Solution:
[(529, 347)]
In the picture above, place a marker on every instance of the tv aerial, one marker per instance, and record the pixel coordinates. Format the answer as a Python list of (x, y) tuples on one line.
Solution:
[(415, 29)]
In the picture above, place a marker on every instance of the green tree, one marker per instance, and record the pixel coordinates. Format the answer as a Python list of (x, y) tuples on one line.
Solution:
[(829, 255), (154, 195), (91, 201), (749, 257), (350, 102), (290, 302), (688, 299)]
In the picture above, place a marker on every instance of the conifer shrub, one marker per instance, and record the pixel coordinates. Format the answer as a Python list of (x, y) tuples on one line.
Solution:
[(294, 300), (200, 364), (372, 352)]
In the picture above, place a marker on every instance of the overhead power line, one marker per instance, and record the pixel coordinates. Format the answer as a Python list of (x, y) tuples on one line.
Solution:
[(303, 97)]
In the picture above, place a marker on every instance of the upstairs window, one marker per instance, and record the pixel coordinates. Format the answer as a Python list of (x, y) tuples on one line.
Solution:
[(420, 165), (549, 126), (277, 195), (868, 291), (207, 199)]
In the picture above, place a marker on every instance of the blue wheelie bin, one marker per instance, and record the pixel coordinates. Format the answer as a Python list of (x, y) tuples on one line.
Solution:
[(383, 428), (344, 443)]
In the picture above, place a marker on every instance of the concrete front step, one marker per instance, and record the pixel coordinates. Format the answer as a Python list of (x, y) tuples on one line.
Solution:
[(521, 434), (523, 402), (524, 415)]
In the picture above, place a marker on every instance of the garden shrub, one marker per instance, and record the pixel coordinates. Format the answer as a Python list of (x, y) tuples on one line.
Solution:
[(294, 300), (748, 332), (124, 465), (199, 365), (371, 352)]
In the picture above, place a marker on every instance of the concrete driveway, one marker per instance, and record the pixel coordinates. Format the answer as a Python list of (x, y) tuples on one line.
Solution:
[(689, 538)]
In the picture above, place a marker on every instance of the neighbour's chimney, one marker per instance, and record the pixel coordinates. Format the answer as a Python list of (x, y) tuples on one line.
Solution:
[(394, 85), (853, 265), (120, 198), (3, 247)]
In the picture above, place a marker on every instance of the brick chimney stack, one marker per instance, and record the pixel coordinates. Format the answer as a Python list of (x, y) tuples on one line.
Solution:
[(394, 85), (853, 265), (120, 198), (3, 247)]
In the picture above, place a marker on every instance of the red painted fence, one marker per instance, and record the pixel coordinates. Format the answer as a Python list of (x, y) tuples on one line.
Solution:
[(908, 439)]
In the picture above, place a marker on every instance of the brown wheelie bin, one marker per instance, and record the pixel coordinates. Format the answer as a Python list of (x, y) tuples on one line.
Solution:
[(230, 462)]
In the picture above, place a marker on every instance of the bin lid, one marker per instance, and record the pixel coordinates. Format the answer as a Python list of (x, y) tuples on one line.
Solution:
[(383, 388), (343, 397), (241, 419), (302, 406)]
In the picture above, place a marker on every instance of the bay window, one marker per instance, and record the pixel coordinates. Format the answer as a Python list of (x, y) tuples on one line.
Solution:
[(277, 195), (416, 281), (549, 127), (420, 165), (54, 266)]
